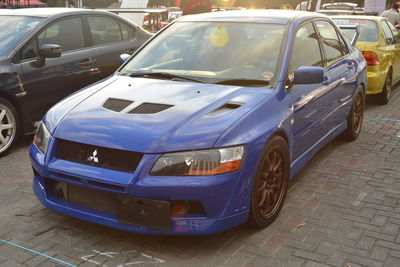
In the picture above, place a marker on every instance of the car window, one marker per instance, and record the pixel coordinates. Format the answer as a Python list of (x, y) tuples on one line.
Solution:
[(104, 30), (343, 44), (332, 45), (128, 32), (387, 32), (306, 50), (395, 32), (29, 51), (13, 30), (213, 51), (67, 33)]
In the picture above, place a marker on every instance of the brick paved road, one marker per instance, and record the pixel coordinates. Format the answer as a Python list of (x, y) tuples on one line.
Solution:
[(342, 210)]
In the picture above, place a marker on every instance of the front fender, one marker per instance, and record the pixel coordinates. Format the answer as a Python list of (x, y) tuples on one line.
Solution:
[(271, 116)]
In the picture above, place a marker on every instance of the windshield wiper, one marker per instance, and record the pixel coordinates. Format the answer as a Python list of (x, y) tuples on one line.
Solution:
[(163, 75), (245, 82)]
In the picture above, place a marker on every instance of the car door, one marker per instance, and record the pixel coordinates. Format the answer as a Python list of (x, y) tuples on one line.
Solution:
[(110, 38), (394, 46), (48, 83), (311, 102), (341, 73)]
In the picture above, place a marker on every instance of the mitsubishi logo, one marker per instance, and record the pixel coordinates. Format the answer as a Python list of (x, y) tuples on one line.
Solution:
[(93, 157)]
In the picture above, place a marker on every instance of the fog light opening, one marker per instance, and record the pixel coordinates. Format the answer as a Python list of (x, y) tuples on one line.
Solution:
[(180, 208), (186, 207)]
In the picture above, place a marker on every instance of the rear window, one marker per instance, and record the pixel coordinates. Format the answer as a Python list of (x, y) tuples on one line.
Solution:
[(368, 29)]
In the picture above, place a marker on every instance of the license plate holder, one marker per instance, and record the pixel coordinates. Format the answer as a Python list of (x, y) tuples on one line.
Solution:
[(149, 213)]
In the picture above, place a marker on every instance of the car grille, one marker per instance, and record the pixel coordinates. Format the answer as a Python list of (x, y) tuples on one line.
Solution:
[(115, 159)]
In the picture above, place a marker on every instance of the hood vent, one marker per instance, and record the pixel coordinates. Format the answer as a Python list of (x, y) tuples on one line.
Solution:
[(149, 108), (224, 108), (116, 105)]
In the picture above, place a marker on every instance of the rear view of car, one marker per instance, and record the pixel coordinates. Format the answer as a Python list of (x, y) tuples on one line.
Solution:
[(379, 43)]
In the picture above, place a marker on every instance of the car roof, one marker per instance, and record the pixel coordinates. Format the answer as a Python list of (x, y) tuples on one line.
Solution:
[(45, 12), (343, 11), (374, 18), (260, 15)]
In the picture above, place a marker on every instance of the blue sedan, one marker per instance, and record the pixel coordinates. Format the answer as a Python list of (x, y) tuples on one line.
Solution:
[(201, 129)]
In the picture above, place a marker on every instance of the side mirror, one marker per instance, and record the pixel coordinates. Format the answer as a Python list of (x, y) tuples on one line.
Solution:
[(50, 51), (123, 58), (46, 51), (308, 75)]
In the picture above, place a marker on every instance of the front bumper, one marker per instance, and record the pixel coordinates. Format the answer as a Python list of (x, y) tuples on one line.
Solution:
[(225, 198)]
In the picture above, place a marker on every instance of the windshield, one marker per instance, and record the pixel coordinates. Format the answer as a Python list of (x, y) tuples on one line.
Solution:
[(212, 52), (13, 29), (368, 29)]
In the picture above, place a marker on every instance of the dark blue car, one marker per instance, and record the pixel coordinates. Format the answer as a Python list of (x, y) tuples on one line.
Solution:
[(202, 128), (48, 53)]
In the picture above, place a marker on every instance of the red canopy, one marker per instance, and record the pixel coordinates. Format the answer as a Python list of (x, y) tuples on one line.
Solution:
[(24, 3), (196, 6)]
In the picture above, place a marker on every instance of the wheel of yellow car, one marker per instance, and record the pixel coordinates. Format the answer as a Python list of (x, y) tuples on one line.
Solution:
[(270, 183), (386, 93), (8, 126), (356, 116)]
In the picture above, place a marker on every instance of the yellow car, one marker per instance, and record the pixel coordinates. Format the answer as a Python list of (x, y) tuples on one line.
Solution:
[(379, 42)]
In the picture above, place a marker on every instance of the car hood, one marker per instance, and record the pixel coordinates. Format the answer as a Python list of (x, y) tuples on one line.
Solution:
[(163, 116)]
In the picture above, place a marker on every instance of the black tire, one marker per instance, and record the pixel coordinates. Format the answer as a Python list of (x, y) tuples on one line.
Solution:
[(384, 96), (356, 116), (270, 183), (9, 126)]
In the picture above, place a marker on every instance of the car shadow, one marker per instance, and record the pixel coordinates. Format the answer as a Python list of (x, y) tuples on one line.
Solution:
[(24, 141)]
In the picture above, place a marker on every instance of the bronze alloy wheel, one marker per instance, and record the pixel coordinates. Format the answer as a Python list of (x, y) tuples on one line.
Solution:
[(358, 113), (270, 183)]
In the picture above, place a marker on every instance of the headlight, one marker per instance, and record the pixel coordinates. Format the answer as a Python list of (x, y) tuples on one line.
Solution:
[(42, 138), (200, 162)]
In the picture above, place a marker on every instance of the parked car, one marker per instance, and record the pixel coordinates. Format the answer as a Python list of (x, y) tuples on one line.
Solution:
[(340, 6), (379, 42), (48, 53), (201, 130)]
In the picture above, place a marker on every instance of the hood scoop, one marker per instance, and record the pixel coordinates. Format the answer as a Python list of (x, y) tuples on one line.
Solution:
[(224, 108), (116, 104), (149, 108)]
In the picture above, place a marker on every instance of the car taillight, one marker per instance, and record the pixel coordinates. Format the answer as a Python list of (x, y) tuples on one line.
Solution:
[(371, 58)]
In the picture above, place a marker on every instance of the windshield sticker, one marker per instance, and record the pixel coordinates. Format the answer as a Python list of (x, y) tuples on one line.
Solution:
[(219, 36), (267, 75)]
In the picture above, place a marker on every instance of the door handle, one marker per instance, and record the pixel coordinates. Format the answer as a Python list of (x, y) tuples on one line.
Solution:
[(86, 62), (350, 65), (326, 80), (131, 50)]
